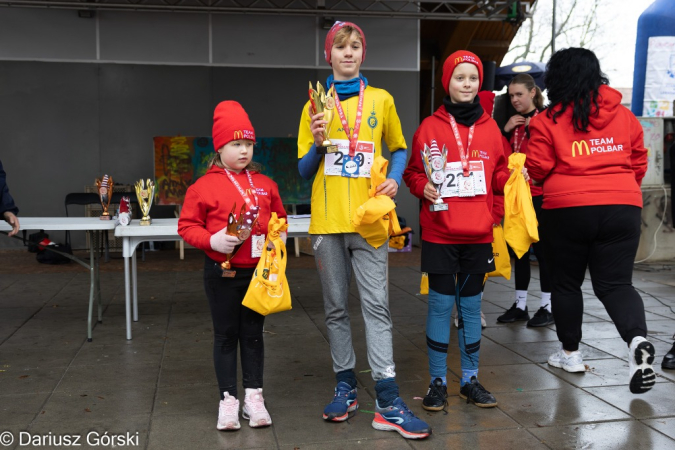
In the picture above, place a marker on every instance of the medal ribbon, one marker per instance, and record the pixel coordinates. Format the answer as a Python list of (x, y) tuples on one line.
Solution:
[(464, 156), (243, 193), (516, 144), (353, 134)]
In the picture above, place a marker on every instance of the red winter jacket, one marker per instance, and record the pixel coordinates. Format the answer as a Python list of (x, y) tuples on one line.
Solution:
[(208, 203), (468, 219), (498, 199), (534, 189), (602, 167)]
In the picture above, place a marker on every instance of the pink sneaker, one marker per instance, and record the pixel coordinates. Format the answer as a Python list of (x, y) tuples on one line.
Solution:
[(228, 413), (254, 409)]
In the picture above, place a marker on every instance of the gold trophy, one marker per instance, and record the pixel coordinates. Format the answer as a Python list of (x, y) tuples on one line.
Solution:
[(105, 189), (324, 102), (434, 166), (146, 194), (242, 229)]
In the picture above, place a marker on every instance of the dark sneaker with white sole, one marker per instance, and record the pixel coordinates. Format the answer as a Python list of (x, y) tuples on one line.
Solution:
[(514, 314), (437, 396), (669, 360), (474, 392), (541, 318), (640, 359)]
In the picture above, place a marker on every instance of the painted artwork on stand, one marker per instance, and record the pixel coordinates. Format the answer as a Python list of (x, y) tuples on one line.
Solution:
[(181, 160)]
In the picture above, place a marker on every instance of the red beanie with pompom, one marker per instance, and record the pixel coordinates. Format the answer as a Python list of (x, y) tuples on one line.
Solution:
[(230, 123)]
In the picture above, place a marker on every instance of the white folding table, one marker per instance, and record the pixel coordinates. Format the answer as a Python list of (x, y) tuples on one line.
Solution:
[(92, 225), (163, 230)]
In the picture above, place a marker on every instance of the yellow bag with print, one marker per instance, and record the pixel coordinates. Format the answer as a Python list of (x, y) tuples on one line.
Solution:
[(501, 254), (520, 220), (268, 292)]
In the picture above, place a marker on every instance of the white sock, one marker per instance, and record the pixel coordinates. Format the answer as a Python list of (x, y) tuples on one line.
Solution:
[(546, 301), (521, 300)]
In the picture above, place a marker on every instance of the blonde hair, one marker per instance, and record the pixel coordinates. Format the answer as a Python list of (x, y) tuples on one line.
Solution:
[(345, 33), (216, 161), (527, 81)]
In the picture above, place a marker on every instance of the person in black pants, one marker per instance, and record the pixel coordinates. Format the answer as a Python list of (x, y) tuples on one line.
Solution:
[(588, 152), (8, 209)]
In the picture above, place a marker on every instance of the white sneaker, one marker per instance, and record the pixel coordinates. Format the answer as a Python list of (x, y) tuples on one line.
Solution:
[(640, 359), (228, 413), (571, 363), (254, 409)]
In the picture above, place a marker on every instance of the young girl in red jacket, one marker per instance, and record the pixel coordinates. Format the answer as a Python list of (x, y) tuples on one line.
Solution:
[(457, 243), (528, 101), (588, 152), (232, 179)]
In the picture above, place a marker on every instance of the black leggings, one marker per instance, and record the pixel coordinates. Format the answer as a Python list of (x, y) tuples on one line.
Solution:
[(605, 239), (522, 265), (234, 325)]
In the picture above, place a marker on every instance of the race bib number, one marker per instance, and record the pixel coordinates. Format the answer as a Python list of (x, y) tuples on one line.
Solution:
[(334, 163), (257, 244), (456, 185)]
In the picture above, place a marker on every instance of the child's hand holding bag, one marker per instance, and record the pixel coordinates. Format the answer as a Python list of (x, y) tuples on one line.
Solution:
[(269, 292)]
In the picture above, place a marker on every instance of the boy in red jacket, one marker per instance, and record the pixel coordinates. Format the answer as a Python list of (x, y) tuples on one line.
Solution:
[(456, 243)]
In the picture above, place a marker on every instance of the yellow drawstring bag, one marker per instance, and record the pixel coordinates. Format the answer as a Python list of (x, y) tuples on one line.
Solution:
[(269, 292), (376, 219), (520, 220), (424, 284), (501, 254)]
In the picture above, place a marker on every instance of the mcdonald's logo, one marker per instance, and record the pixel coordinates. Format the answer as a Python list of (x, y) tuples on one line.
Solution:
[(238, 135), (459, 60), (578, 147), (475, 153)]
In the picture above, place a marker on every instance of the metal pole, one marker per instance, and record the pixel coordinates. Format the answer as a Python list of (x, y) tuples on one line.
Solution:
[(553, 31)]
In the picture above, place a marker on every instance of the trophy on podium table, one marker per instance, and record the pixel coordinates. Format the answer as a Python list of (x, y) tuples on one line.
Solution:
[(324, 102), (434, 166), (145, 192), (104, 187)]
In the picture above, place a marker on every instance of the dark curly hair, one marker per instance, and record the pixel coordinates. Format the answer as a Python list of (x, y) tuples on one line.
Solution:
[(573, 77)]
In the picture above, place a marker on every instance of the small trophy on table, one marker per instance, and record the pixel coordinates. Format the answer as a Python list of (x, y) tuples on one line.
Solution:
[(434, 166), (105, 188), (324, 102), (145, 193), (242, 229)]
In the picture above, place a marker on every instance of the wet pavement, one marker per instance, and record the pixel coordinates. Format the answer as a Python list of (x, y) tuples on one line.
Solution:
[(158, 391)]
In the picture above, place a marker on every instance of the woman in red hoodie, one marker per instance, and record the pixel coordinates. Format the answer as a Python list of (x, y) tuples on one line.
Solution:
[(588, 152), (457, 243), (528, 101), (232, 179)]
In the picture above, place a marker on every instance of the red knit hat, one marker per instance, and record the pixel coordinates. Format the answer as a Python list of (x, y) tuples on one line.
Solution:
[(330, 37), (230, 122), (457, 58)]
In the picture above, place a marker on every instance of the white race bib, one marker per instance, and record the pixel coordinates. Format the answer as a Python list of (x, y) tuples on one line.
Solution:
[(454, 174), (257, 244), (333, 161)]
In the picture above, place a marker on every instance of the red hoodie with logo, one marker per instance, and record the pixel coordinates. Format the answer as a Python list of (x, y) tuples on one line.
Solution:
[(468, 220), (209, 201), (602, 167)]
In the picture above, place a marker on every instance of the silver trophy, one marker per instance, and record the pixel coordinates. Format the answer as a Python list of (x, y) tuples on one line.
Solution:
[(434, 166)]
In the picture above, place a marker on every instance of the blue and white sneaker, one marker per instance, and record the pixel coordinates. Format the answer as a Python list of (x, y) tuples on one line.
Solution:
[(399, 418), (343, 403)]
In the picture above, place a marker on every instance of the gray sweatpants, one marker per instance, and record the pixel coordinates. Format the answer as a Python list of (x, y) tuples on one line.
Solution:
[(333, 254)]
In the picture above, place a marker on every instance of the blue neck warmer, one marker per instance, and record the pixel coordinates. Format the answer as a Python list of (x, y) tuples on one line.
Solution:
[(348, 88)]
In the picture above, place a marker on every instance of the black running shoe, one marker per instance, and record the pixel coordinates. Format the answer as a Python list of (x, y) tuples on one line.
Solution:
[(514, 314), (541, 318), (437, 396), (476, 393), (669, 360)]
